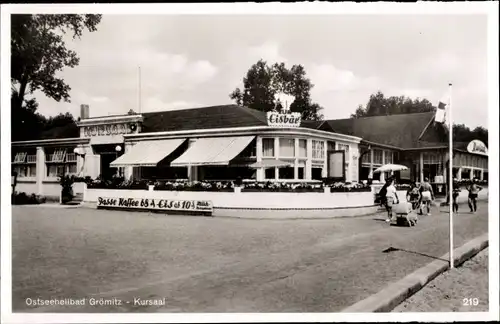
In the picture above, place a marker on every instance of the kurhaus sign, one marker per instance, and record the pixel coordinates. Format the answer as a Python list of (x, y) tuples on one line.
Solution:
[(200, 206), (477, 147), (108, 130), (282, 119)]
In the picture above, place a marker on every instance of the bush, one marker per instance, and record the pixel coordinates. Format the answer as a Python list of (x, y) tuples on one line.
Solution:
[(24, 199)]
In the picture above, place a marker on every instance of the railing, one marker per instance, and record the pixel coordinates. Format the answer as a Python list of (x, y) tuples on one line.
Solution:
[(71, 157), (31, 159)]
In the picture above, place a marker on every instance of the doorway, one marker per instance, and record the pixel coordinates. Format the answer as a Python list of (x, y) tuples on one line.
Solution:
[(108, 172)]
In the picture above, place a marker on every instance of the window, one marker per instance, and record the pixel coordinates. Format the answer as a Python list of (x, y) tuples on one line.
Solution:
[(316, 173), (318, 149), (301, 173), (389, 157), (287, 147), (270, 173), (268, 147), (59, 163), (286, 173), (55, 170), (302, 148), (366, 158), (331, 146), (377, 157)]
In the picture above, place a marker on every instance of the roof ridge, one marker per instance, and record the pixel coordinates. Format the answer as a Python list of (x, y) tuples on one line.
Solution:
[(253, 113), (185, 109)]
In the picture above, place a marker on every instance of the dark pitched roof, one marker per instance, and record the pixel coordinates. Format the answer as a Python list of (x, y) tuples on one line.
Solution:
[(225, 116), (402, 130)]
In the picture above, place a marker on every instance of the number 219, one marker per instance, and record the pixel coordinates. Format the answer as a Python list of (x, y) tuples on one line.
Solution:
[(470, 301)]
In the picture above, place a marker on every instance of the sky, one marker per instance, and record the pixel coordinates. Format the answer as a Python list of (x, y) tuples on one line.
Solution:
[(195, 61)]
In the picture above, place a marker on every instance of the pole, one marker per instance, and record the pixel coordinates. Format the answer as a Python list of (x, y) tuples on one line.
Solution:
[(450, 176)]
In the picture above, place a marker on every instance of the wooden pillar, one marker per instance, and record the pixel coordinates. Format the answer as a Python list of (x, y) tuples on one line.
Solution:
[(421, 167)]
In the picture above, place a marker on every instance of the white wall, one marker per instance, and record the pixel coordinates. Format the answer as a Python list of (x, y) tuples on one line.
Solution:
[(282, 200)]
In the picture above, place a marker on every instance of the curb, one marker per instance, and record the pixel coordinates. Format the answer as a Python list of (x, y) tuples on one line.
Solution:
[(390, 297)]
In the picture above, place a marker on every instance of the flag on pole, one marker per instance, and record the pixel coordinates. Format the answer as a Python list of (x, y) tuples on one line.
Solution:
[(443, 104)]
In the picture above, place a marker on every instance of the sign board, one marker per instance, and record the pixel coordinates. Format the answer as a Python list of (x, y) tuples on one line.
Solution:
[(108, 130), (477, 147), (283, 119), (191, 206), (336, 162)]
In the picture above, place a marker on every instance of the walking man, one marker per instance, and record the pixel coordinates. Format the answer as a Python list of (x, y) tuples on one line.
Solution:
[(473, 189)]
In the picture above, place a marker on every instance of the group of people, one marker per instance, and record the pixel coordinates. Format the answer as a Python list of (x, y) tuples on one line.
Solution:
[(421, 196)]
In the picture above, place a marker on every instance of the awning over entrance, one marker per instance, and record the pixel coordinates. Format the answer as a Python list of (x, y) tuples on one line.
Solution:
[(148, 153), (213, 151)]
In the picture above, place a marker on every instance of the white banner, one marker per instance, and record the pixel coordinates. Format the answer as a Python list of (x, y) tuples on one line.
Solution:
[(204, 206)]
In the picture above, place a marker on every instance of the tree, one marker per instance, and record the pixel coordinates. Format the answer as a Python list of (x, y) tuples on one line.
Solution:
[(262, 82), (379, 105), (38, 52)]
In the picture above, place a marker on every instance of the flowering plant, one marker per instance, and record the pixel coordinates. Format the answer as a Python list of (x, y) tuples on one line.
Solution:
[(118, 183), (194, 185), (282, 187), (349, 187)]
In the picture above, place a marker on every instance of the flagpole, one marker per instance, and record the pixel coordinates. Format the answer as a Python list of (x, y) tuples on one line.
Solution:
[(450, 172)]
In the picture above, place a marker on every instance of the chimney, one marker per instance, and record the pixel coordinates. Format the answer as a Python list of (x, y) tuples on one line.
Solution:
[(84, 111)]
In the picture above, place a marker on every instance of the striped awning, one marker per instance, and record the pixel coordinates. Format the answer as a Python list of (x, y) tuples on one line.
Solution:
[(147, 153), (213, 151)]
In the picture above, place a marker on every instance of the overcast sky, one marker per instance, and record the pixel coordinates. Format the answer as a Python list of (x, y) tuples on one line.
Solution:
[(194, 61)]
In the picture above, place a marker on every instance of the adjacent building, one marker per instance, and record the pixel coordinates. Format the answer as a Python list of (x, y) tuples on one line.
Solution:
[(229, 142)]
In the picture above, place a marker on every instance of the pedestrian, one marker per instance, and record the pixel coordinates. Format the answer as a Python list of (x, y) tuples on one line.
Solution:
[(427, 196), (473, 189), (456, 192), (390, 196), (413, 195)]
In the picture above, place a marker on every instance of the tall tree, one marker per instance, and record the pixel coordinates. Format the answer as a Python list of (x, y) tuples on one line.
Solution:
[(262, 82), (38, 52), (379, 105)]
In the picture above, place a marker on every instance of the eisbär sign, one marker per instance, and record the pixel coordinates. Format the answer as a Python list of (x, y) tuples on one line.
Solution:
[(283, 119), (477, 147), (191, 206)]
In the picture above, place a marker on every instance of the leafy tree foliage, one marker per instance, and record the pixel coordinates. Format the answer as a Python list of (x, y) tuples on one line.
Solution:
[(262, 82), (38, 53)]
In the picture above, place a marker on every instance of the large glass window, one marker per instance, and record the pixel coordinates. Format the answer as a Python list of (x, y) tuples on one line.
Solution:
[(377, 157), (318, 150), (302, 148), (287, 147), (268, 147), (389, 157)]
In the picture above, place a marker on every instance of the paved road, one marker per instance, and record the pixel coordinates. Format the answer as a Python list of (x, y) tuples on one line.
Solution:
[(200, 264)]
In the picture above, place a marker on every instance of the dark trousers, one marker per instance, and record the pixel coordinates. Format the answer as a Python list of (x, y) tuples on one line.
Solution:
[(455, 204), (473, 202)]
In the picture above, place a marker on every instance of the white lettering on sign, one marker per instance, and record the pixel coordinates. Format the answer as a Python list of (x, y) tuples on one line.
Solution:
[(280, 119), (204, 206), (478, 147), (106, 130)]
